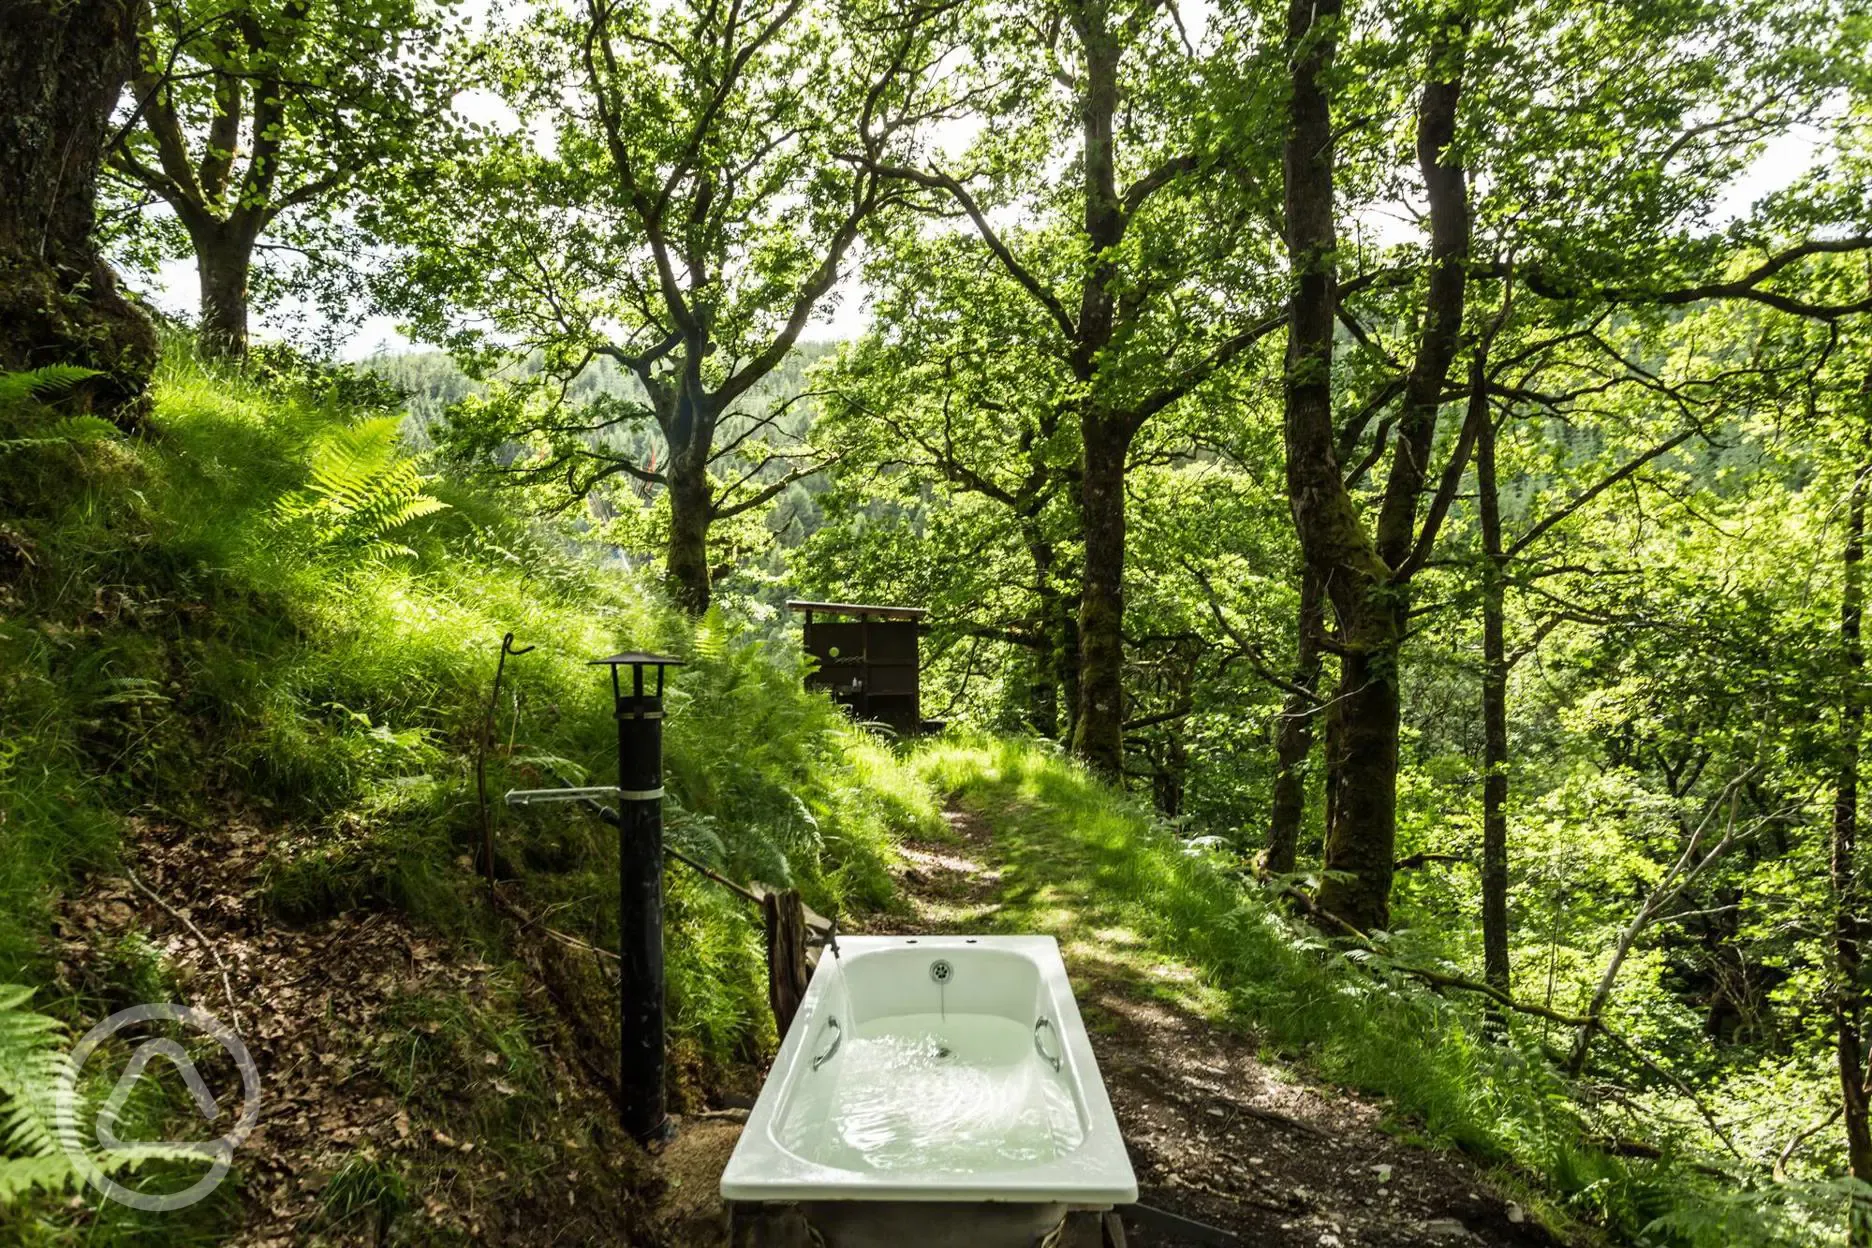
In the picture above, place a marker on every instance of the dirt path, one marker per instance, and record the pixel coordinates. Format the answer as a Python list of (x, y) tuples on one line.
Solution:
[(1216, 1134)]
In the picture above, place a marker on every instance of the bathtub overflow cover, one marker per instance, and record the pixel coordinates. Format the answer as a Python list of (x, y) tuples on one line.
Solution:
[(940, 971)]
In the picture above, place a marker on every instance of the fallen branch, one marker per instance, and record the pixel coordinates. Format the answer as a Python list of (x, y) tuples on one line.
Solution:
[(1801, 1137), (227, 982), (1459, 983), (1649, 1152)]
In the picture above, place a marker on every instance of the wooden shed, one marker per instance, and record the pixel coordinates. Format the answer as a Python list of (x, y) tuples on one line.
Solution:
[(868, 659)]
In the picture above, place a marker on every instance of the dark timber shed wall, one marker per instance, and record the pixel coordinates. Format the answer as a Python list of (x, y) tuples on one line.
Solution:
[(868, 659)]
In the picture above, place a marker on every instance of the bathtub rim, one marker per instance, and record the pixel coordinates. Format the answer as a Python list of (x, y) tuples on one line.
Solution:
[(1096, 1174)]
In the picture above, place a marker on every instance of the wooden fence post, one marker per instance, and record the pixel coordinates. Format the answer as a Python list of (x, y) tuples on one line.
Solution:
[(786, 955)]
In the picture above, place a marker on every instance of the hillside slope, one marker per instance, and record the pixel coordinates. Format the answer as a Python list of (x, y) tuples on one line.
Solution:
[(245, 663), (245, 659)]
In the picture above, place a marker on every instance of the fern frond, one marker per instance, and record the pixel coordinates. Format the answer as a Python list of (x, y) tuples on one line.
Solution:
[(40, 1149), (21, 1175), (32, 1062), (713, 632), (51, 382), (71, 431), (32, 1058), (361, 489), (353, 464)]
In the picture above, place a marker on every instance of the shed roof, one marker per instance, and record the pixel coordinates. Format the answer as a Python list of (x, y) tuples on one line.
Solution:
[(858, 608)]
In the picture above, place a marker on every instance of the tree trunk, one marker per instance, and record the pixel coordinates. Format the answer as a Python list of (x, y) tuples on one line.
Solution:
[(62, 67), (223, 263), (1361, 843), (1170, 779), (1043, 697), (1293, 736), (686, 415), (1848, 898), (1098, 728), (1066, 664), (1098, 733), (687, 567), (1367, 578), (1494, 709), (1329, 755), (1361, 725)]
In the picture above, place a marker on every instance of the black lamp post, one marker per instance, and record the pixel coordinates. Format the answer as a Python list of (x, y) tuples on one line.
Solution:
[(640, 892)]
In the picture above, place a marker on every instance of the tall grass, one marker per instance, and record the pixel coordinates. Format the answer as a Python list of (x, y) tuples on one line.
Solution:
[(1083, 860), (177, 639)]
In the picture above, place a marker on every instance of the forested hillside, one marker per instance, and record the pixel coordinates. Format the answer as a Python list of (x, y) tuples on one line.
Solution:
[(1388, 483)]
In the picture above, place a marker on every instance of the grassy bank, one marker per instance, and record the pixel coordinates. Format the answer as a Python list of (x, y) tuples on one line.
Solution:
[(256, 607), (1092, 868)]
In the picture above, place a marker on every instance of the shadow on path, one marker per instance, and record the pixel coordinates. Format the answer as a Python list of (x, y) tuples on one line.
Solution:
[(1215, 1133)]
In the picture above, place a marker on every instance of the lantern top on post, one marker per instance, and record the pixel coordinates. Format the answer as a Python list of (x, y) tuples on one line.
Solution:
[(637, 661)]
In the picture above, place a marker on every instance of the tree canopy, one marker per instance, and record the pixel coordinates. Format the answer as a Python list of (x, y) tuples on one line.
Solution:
[(1410, 455)]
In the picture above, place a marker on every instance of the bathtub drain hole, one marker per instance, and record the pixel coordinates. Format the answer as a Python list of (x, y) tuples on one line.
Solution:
[(940, 971)]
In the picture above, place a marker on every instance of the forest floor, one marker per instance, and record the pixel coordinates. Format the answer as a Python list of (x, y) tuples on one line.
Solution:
[(331, 1010), (1216, 1134), (397, 1086)]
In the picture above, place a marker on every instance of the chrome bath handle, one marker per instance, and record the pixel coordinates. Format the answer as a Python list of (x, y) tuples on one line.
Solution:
[(837, 1035), (1045, 1024)]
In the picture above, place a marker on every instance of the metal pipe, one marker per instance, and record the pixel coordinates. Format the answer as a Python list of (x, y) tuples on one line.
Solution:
[(529, 797), (640, 907), (482, 746), (612, 817)]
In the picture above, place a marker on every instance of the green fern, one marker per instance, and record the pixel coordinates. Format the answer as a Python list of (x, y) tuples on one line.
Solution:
[(32, 1061), (54, 381), (713, 632), (71, 431), (41, 1149), (362, 489)]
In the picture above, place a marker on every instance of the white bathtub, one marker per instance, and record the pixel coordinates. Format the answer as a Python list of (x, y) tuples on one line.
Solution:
[(901, 1081)]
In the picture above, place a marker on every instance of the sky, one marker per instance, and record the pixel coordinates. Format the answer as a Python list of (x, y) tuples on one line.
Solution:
[(847, 314)]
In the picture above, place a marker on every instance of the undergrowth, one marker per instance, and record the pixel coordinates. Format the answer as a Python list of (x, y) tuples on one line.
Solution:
[(1098, 871), (260, 604)]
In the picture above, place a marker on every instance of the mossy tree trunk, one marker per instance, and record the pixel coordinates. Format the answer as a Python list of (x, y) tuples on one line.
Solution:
[(1495, 969), (1293, 735), (686, 565), (1055, 692), (62, 68), (224, 265), (1105, 436), (1367, 574), (1098, 729), (1361, 840)]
